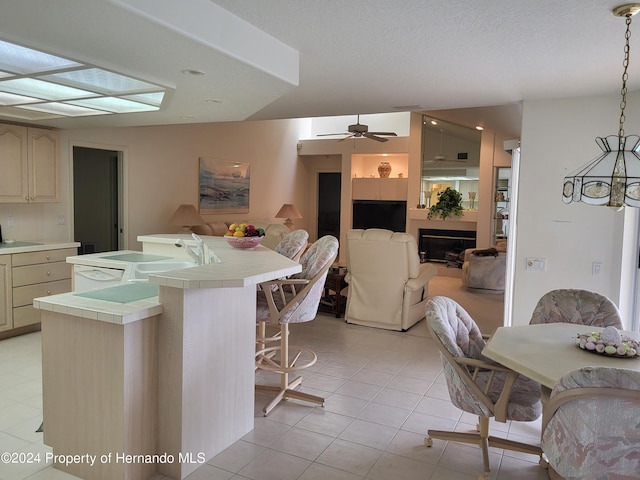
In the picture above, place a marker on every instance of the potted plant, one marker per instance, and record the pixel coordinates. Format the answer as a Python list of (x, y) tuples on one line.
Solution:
[(449, 204)]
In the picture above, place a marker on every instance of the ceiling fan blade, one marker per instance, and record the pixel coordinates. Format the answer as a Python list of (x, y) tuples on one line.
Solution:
[(346, 138), (390, 134), (331, 134), (373, 137)]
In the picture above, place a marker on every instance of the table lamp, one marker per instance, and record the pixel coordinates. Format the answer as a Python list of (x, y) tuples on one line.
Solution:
[(288, 211), (186, 216)]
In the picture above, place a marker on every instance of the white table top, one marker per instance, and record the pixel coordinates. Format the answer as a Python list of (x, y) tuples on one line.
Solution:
[(238, 268), (546, 352)]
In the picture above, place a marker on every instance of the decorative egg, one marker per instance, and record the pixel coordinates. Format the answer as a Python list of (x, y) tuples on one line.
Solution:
[(611, 335), (590, 346), (600, 347), (610, 349)]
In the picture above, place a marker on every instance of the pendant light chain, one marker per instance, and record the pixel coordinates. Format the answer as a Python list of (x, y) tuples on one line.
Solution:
[(625, 76)]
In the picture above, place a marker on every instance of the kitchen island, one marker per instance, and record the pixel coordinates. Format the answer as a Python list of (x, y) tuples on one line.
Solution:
[(155, 384)]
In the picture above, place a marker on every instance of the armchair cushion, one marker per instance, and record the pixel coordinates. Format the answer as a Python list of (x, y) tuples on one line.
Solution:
[(387, 282)]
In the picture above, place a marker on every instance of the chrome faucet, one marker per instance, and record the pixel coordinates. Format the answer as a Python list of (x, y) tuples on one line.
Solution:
[(200, 253)]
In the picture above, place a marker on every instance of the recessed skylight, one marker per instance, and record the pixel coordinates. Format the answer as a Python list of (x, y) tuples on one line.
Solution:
[(38, 81)]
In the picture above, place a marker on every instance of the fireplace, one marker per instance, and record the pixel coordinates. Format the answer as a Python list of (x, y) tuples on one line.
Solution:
[(437, 243)]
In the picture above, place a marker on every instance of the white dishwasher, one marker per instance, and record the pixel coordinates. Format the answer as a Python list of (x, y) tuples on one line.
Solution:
[(86, 277)]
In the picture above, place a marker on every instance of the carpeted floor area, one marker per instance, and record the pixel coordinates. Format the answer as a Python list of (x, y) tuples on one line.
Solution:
[(486, 309)]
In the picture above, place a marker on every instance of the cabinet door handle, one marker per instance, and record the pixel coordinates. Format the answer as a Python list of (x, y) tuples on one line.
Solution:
[(48, 274), (48, 292), (47, 257)]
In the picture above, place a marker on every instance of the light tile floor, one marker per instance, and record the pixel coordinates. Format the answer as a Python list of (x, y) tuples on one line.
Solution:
[(383, 390)]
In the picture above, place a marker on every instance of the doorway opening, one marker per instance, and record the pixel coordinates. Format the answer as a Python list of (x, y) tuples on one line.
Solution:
[(97, 199), (329, 188)]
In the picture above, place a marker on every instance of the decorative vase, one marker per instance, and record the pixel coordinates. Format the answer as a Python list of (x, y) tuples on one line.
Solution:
[(384, 169)]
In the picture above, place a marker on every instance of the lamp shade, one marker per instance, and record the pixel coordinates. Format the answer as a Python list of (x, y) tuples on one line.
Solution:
[(288, 211), (186, 215)]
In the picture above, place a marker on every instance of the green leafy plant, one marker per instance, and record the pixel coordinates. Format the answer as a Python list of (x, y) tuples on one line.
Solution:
[(449, 204)]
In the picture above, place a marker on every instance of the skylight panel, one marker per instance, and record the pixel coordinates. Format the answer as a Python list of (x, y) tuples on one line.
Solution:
[(11, 99), (43, 90), (115, 105), (101, 80), (22, 60), (150, 98), (39, 85), (64, 109)]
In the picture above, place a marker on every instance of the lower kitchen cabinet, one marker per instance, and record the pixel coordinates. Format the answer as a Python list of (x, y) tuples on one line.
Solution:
[(25, 276)]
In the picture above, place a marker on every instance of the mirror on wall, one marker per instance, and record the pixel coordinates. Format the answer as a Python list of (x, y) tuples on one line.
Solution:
[(450, 158)]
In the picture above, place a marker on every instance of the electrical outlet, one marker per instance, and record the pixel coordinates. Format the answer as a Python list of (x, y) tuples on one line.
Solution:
[(9, 221), (62, 219), (596, 267)]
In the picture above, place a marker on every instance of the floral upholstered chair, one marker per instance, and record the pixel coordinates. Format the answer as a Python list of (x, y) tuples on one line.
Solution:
[(476, 384), (293, 244), (294, 300), (576, 306), (591, 426)]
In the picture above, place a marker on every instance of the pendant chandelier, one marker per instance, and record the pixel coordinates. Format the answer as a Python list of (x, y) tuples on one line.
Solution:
[(613, 178)]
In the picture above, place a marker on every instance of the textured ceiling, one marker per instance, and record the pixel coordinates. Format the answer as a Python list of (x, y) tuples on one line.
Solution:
[(362, 56)]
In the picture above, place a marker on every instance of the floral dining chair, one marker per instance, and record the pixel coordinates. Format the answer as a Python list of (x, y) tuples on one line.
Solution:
[(295, 300), (576, 306), (476, 384), (591, 425)]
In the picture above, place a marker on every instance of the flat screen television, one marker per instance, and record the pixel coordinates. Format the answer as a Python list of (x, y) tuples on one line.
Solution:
[(389, 214)]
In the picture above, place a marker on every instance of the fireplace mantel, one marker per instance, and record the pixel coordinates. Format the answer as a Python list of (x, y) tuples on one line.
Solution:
[(421, 214)]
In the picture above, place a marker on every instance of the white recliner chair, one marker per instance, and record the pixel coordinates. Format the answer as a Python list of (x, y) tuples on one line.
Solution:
[(387, 283)]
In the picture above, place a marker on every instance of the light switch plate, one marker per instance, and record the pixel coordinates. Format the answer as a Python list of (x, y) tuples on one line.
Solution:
[(535, 264)]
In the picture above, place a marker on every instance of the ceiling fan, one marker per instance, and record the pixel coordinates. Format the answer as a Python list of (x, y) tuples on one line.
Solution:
[(360, 130), (440, 157)]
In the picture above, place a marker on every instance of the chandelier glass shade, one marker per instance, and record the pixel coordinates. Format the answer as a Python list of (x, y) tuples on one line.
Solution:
[(613, 178)]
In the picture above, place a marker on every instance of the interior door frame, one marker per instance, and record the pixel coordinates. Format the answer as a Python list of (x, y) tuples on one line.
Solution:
[(123, 198)]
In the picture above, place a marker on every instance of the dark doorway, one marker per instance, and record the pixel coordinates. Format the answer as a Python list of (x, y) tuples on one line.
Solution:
[(329, 187), (96, 199)]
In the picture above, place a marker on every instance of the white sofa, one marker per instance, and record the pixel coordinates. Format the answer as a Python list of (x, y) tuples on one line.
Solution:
[(274, 232), (388, 285)]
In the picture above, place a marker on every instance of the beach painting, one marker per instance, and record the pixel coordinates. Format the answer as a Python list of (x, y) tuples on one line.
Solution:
[(224, 186)]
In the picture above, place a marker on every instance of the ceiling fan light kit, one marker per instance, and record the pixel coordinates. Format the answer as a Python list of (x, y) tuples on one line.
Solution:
[(358, 130)]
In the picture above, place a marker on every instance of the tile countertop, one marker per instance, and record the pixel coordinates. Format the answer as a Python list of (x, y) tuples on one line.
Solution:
[(34, 246), (238, 268)]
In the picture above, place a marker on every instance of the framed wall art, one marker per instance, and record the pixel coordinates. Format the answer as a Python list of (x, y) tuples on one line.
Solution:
[(224, 186)]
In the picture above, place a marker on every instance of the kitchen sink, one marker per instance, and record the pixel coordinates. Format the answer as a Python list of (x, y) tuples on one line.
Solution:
[(141, 271)]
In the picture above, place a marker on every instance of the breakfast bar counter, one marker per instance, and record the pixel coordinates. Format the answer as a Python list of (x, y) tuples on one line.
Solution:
[(171, 387)]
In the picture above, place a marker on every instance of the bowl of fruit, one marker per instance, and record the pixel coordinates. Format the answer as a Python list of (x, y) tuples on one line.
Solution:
[(245, 236)]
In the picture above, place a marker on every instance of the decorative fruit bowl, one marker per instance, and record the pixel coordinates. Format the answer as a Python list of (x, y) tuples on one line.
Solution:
[(243, 242), (242, 235), (609, 343)]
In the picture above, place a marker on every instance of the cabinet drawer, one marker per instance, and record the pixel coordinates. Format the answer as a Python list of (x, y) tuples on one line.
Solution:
[(26, 315), (25, 295), (44, 272), (44, 256)]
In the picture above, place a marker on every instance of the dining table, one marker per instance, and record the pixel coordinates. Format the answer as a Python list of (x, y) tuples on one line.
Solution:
[(545, 352)]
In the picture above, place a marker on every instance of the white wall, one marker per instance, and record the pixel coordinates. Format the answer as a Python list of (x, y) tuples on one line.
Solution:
[(161, 166), (557, 138)]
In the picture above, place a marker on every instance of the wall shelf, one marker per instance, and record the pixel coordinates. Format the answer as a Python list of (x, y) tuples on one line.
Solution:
[(421, 214)]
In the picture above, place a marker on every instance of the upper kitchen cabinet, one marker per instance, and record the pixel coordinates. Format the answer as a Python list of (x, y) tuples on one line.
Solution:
[(29, 165)]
